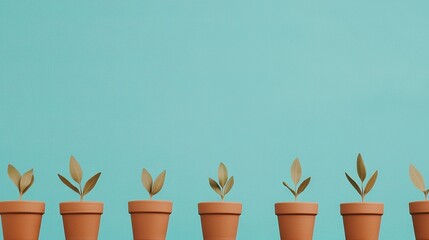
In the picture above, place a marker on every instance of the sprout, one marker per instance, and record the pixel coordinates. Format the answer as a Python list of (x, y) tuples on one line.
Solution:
[(418, 180), (361, 170), (153, 187), (24, 182), (295, 172), (77, 174), (225, 184)]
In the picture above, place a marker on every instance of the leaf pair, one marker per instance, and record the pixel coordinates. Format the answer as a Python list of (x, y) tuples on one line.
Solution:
[(296, 172), (361, 170), (76, 173), (153, 187), (24, 182), (418, 181), (225, 184)]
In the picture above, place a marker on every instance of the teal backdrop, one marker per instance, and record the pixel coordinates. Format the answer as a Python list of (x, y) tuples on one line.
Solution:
[(183, 85)]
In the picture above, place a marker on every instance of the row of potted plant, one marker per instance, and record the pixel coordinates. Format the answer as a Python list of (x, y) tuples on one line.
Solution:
[(219, 220)]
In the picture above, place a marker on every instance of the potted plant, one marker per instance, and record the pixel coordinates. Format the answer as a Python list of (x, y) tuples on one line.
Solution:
[(419, 210), (296, 219), (219, 220), (362, 220), (21, 219), (81, 219), (149, 218)]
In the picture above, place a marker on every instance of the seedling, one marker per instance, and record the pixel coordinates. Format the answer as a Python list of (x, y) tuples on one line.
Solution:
[(153, 187), (418, 180), (77, 174), (225, 184), (296, 172), (24, 182), (361, 171)]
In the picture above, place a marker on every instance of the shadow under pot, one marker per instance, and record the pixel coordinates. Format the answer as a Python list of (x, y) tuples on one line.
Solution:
[(21, 219), (81, 219), (296, 220), (219, 220), (420, 214), (362, 220), (149, 218)]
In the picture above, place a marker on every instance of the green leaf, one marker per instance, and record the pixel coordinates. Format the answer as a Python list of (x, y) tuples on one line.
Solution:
[(147, 180), (303, 185), (371, 183), (222, 174), (69, 184), (159, 182), (75, 170), (215, 187), (14, 175), (354, 184), (228, 185), (417, 178), (90, 184), (361, 170), (296, 171), (290, 189)]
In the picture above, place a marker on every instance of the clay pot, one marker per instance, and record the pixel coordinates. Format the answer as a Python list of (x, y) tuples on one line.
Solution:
[(219, 220), (362, 220), (149, 219), (296, 220), (81, 219), (21, 219), (420, 213)]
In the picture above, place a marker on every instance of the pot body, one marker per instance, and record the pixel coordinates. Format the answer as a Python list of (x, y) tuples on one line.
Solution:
[(21, 219), (420, 213), (362, 220), (81, 219), (296, 220), (219, 220), (149, 219)]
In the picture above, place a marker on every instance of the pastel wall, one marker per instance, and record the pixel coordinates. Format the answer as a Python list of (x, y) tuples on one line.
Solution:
[(182, 85)]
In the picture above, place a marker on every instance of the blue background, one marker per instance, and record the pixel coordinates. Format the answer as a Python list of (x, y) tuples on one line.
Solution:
[(183, 85)]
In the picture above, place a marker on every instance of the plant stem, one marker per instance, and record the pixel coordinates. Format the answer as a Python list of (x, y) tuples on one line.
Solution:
[(296, 194), (80, 191), (362, 193), (426, 195), (20, 196)]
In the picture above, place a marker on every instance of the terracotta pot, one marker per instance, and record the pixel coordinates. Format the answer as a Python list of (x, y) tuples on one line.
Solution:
[(362, 220), (81, 219), (219, 220), (21, 219), (420, 212), (149, 219), (296, 220)]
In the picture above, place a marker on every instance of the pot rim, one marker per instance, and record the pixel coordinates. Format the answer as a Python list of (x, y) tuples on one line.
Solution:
[(419, 207), (362, 208), (147, 200), (22, 206), (230, 208), (81, 207), (150, 206), (296, 208)]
